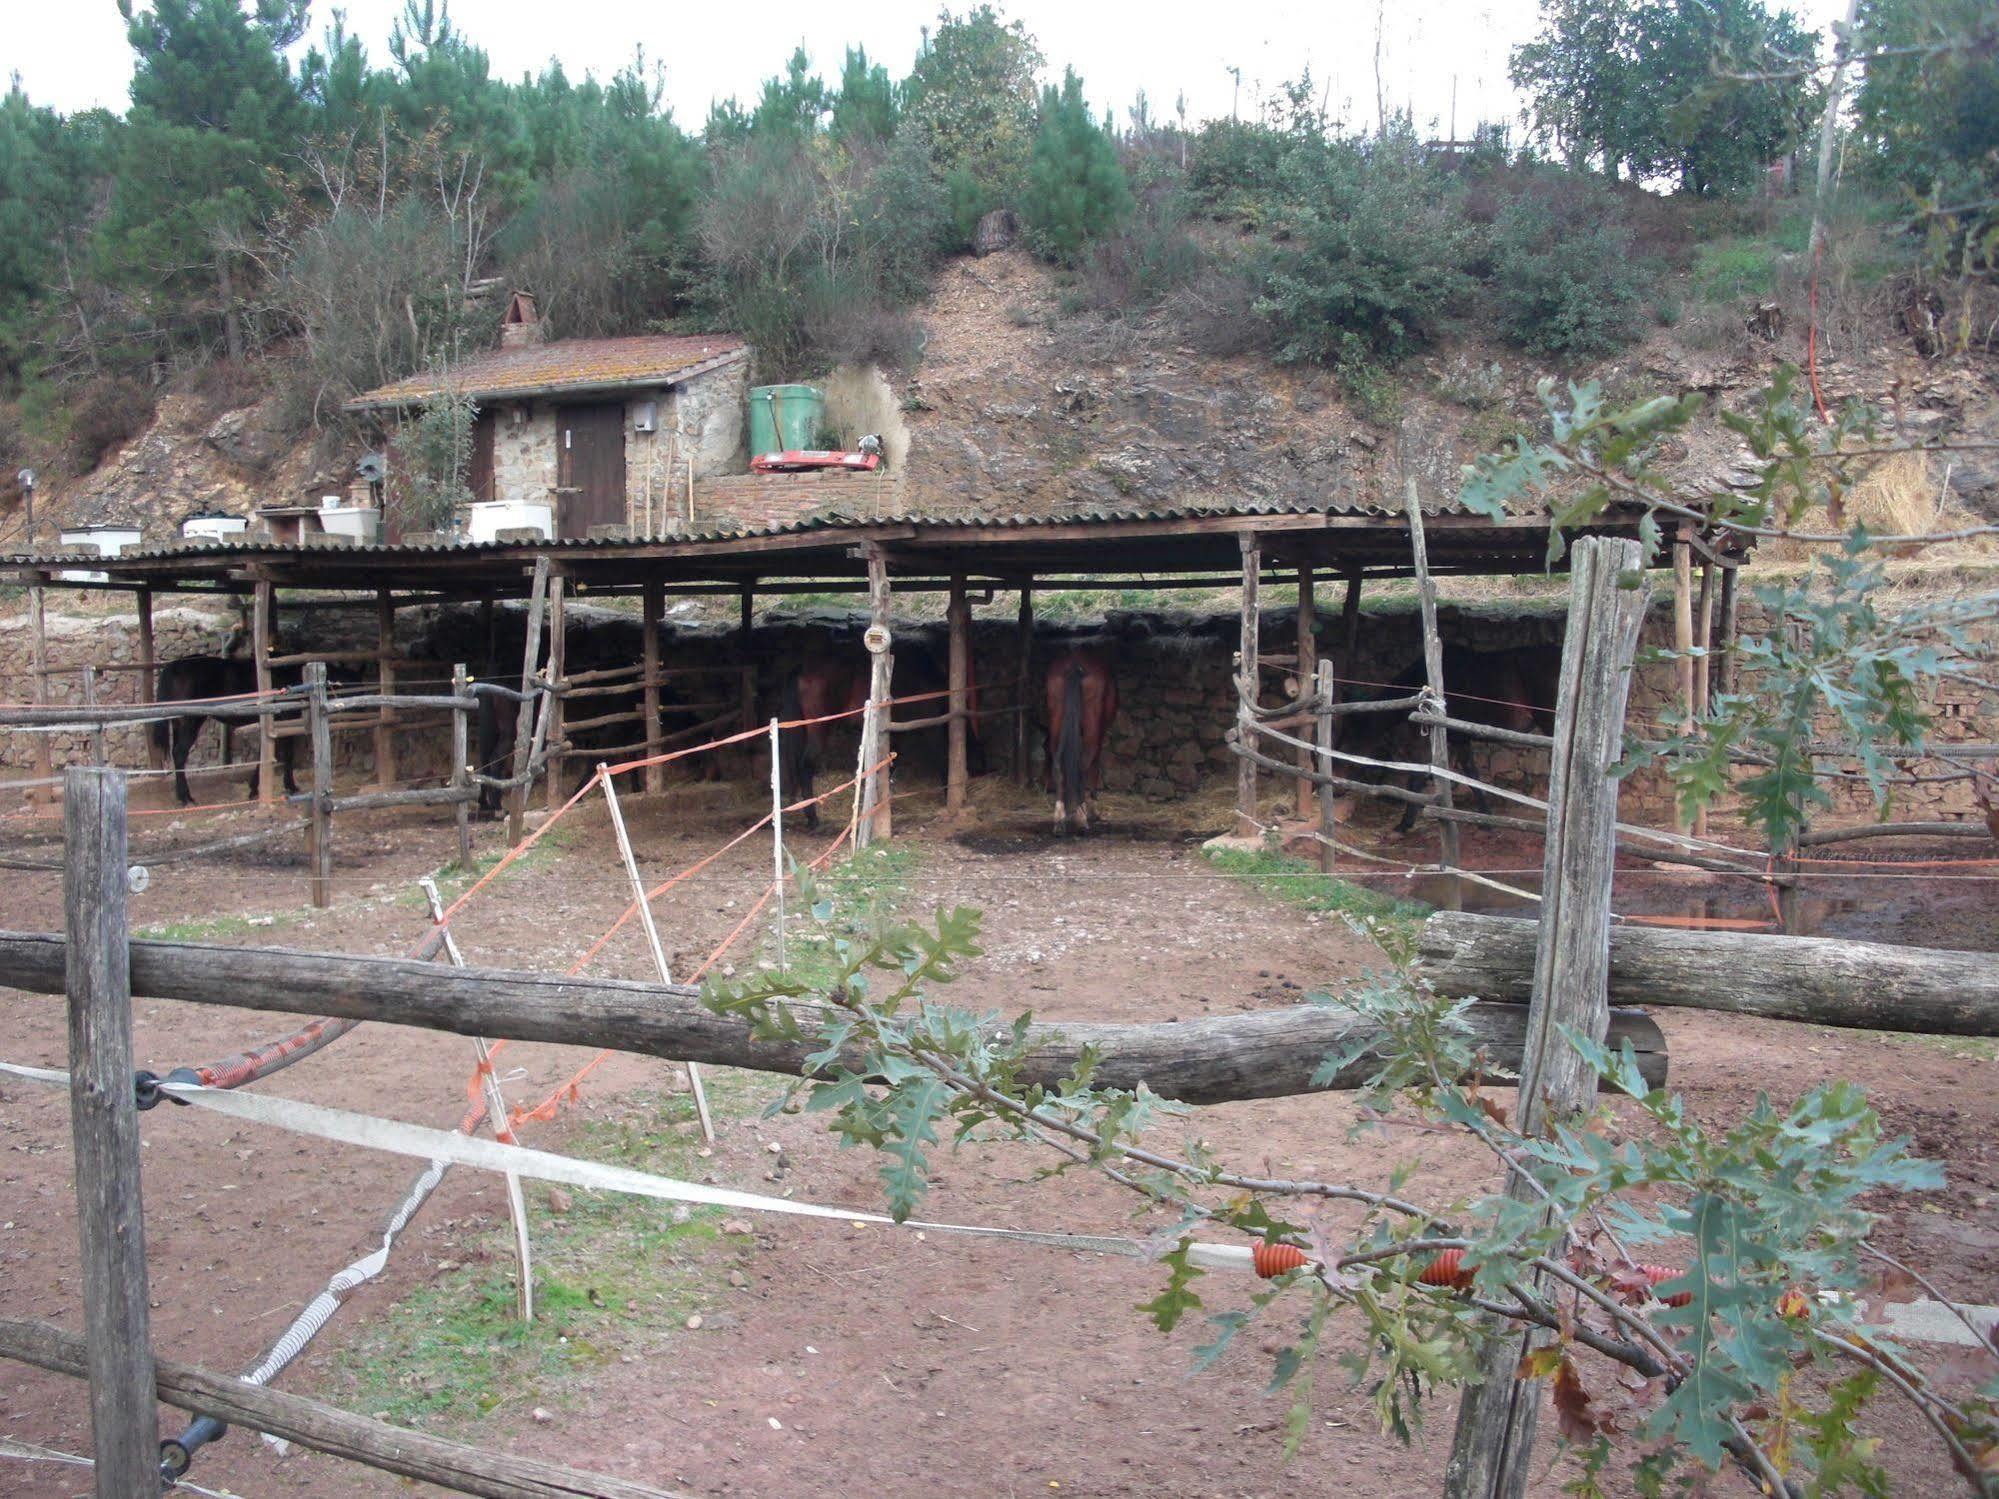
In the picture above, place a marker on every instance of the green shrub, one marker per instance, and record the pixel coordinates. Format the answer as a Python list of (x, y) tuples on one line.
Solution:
[(1734, 270), (1564, 278), (1369, 250)]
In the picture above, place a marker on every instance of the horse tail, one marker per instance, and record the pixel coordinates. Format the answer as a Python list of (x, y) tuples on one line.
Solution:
[(1069, 744)]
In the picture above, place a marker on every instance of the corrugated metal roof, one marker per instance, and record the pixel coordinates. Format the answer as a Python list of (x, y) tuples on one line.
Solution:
[(569, 365), (831, 520)]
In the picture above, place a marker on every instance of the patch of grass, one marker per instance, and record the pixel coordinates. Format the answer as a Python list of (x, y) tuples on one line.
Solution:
[(1297, 883), (1735, 269), (612, 1274), (205, 928)]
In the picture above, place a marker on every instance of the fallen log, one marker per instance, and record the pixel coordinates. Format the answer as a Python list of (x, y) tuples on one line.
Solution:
[(326, 1428), (1219, 1059), (1822, 980)]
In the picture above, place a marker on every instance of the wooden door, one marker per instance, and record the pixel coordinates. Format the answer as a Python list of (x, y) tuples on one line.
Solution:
[(479, 476), (590, 467)]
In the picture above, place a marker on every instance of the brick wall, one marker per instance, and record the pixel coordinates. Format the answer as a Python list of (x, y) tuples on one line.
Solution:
[(758, 501)]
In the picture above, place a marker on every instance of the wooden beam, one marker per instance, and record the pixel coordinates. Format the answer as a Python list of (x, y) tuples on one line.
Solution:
[(1328, 690), (958, 619), (461, 764), (1492, 1449), (517, 796), (558, 659), (1249, 683), (1263, 1054), (385, 683), (1433, 670), (104, 1128), (1725, 666), (1812, 980), (875, 784), (1307, 675), (156, 753), (1023, 647), (325, 1428), (319, 829), (38, 673), (261, 623), (650, 610)]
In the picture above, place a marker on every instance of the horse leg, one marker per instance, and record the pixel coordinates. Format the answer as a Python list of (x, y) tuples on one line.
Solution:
[(184, 730), (288, 754), (1468, 768)]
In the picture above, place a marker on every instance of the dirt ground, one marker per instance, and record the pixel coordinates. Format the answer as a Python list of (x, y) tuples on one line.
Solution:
[(833, 1358)]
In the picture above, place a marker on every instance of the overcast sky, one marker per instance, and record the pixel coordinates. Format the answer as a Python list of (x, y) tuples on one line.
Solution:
[(1437, 55)]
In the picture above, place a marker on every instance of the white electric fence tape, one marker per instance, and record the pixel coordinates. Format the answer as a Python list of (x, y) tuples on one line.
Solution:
[(436, 1145)]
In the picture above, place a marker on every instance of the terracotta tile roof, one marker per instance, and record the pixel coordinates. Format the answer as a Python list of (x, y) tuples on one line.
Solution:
[(569, 365)]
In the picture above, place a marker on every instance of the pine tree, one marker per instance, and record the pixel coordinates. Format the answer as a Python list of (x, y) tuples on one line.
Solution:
[(1076, 190)]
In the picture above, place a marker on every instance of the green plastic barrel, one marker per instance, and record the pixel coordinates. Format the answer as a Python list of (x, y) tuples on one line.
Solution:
[(783, 417)]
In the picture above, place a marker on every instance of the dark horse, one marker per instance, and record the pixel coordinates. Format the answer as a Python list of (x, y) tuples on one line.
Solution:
[(1510, 689), (193, 678), (823, 685), (1081, 699), (499, 719)]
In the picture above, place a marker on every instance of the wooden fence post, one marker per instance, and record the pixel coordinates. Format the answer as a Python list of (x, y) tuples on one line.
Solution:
[(881, 679), (652, 606), (263, 607), (1249, 677), (385, 683), (1433, 674), (156, 753), (104, 1124), (1724, 674), (1307, 674), (1328, 691), (38, 672), (558, 664), (958, 617), (319, 826), (97, 756), (1024, 651), (517, 794), (461, 764), (1493, 1446)]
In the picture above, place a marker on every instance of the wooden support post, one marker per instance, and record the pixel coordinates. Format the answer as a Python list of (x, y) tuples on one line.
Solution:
[(1328, 691), (104, 1126), (461, 763), (746, 670), (1350, 626), (385, 680), (1433, 674), (1024, 656), (517, 795), (260, 653), (38, 672), (1724, 679), (1249, 678), (958, 618), (558, 663), (156, 753), (1683, 634), (1493, 1446), (652, 606), (319, 825), (1703, 666), (90, 701), (881, 679), (1307, 676)]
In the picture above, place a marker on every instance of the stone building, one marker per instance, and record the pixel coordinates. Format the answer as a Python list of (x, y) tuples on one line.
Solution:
[(609, 431)]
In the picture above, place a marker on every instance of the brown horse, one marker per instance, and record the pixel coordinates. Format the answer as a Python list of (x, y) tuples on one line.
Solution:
[(1081, 699)]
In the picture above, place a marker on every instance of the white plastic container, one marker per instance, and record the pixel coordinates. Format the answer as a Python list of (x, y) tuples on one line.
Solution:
[(105, 540), (490, 517), (213, 527), (361, 522)]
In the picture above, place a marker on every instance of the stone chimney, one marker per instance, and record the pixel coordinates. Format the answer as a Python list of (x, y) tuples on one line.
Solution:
[(520, 327)]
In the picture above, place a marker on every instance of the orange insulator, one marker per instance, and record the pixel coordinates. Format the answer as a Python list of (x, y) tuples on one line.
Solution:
[(1447, 1270), (1272, 1260)]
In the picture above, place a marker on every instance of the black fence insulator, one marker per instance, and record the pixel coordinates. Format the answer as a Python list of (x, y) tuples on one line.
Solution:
[(177, 1453), (146, 1086)]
